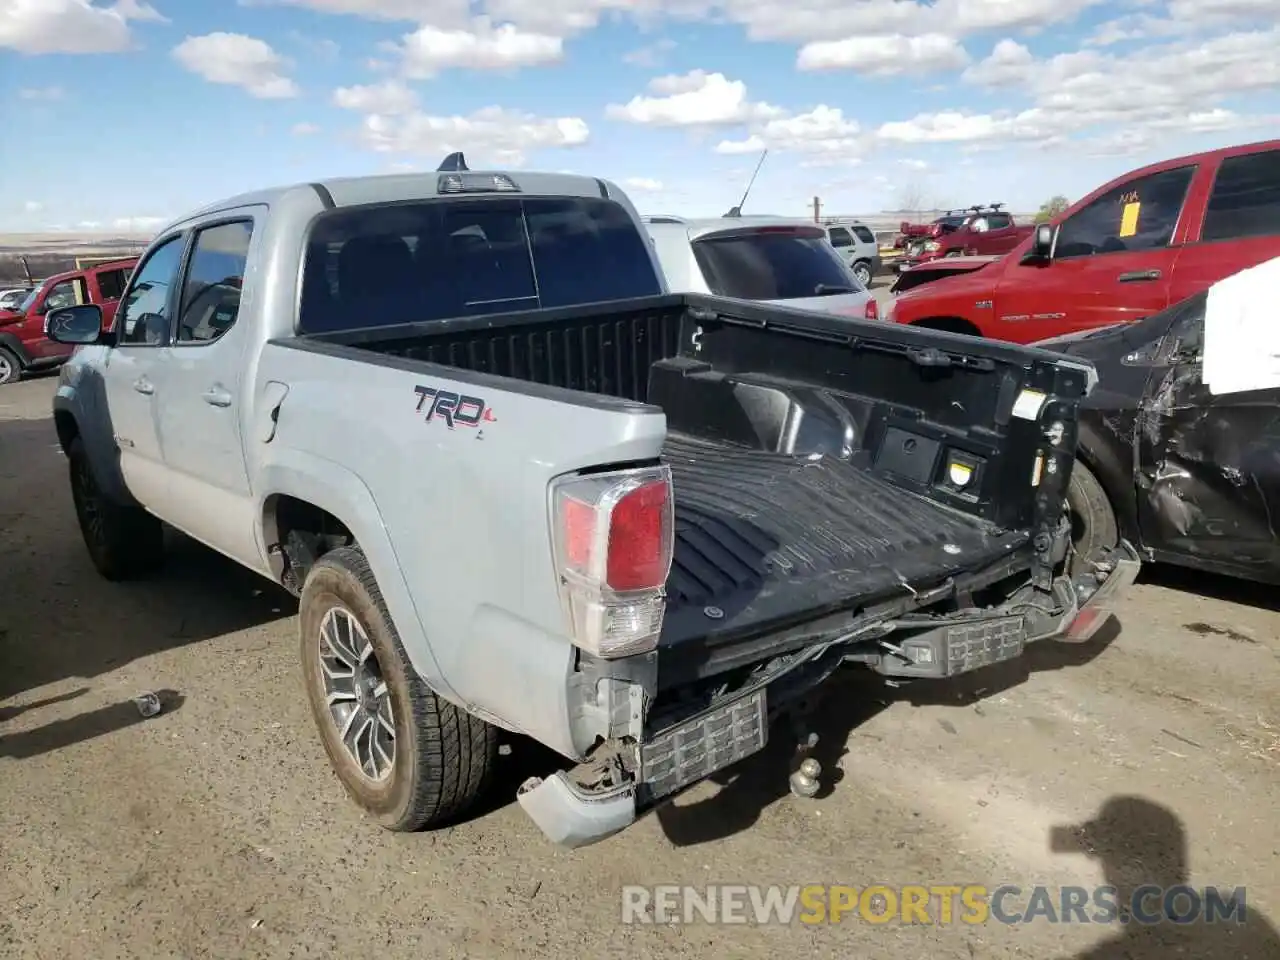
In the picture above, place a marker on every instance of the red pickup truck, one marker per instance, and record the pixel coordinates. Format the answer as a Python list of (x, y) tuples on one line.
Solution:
[(983, 231), (1147, 239), (23, 345)]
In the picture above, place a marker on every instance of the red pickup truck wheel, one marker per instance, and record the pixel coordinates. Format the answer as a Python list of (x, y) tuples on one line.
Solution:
[(1093, 522), (408, 757), (10, 367)]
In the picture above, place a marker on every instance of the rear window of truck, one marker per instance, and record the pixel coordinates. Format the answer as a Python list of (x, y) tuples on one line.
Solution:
[(436, 259), (772, 263)]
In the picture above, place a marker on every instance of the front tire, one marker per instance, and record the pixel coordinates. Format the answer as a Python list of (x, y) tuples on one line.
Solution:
[(124, 542), (862, 270), (10, 367), (1094, 530), (406, 756)]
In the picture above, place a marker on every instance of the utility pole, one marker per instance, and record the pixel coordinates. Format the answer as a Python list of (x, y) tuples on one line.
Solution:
[(817, 209)]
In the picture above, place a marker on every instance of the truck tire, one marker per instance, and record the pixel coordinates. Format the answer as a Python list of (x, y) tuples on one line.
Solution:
[(862, 270), (125, 542), (10, 366), (406, 756), (1093, 522)]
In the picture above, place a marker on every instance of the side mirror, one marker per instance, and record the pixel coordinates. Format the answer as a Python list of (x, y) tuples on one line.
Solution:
[(1041, 249), (74, 325)]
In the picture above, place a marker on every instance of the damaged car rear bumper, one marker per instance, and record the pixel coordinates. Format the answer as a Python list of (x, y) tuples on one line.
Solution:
[(624, 781)]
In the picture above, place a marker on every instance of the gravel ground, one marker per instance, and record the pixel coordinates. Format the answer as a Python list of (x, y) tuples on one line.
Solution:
[(216, 830)]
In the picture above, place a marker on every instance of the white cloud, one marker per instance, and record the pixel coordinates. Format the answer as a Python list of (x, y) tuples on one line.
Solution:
[(824, 135), (70, 26), (642, 184), (238, 60), (1010, 64), (649, 56), (885, 55), (138, 224), (915, 164), (390, 97), (478, 46), (694, 99), (41, 93), (417, 11), (320, 46), (304, 129), (492, 135), (33, 206), (1156, 92)]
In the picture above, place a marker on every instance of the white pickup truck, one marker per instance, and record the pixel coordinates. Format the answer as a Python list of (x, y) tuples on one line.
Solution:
[(517, 484)]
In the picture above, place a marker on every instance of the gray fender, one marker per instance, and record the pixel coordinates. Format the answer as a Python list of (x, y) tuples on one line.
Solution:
[(80, 408), (337, 490)]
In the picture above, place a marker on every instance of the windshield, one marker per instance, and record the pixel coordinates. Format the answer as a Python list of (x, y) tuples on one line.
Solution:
[(28, 300), (773, 264), (951, 221)]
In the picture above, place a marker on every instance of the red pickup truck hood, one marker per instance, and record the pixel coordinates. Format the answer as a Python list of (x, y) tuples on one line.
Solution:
[(958, 264)]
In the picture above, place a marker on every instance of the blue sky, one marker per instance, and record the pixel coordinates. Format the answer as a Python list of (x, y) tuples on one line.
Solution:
[(121, 114)]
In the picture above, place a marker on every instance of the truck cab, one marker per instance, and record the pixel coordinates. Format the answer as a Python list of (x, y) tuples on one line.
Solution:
[(23, 343), (1143, 241), (984, 231)]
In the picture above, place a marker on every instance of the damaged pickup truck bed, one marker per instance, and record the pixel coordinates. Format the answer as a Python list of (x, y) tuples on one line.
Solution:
[(517, 485)]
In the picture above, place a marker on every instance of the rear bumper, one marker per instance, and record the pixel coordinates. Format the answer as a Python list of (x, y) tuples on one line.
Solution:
[(623, 782)]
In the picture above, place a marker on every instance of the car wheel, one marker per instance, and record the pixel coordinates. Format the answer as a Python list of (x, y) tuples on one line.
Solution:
[(1094, 530), (862, 270), (124, 542), (10, 367), (406, 756)]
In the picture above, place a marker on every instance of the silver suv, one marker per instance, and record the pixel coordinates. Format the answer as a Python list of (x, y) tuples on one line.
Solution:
[(857, 246), (784, 261)]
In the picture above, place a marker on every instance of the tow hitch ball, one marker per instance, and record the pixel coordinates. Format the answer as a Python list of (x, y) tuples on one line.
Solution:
[(804, 779)]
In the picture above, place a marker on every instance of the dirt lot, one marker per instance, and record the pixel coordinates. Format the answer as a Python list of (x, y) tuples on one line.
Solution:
[(216, 829)]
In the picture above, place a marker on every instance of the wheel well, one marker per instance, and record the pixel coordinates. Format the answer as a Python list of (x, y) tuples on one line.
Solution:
[(67, 429), (297, 534), (949, 325)]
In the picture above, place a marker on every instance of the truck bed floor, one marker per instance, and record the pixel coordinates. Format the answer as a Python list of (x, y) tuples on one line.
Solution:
[(766, 539)]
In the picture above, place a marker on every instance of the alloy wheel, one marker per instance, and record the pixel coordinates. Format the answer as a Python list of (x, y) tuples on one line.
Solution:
[(357, 695)]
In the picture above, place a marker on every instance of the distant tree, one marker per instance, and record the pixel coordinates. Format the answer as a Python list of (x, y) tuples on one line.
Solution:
[(911, 198), (1052, 208)]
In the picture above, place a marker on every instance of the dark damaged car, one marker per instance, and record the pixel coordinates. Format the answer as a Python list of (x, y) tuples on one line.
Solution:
[(1190, 476)]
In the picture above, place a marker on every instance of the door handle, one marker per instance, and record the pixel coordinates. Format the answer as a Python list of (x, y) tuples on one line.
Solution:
[(143, 385), (1138, 276), (216, 396)]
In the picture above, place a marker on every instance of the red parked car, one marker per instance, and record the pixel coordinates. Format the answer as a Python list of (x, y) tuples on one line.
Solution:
[(23, 345), (984, 231), (1147, 239)]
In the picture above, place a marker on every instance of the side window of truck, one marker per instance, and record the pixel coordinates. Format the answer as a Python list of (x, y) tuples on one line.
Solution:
[(143, 319), (1138, 215), (1245, 201), (68, 293), (863, 234), (111, 284), (999, 221), (215, 275), (840, 237)]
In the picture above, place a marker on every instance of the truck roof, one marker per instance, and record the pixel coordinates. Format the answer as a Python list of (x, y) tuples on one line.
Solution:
[(382, 188), (91, 268), (701, 226)]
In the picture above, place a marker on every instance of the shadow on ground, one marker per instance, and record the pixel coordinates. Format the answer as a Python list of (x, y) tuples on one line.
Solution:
[(85, 726), (1263, 596), (1142, 847), (848, 700)]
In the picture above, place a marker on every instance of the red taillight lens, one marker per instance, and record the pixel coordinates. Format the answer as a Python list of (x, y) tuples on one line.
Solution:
[(637, 544), (872, 310)]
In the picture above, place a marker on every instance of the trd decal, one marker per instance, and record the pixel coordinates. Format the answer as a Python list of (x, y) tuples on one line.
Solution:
[(455, 409)]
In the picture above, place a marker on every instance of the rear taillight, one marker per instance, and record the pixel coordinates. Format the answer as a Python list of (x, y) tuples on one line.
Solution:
[(613, 536), (872, 310)]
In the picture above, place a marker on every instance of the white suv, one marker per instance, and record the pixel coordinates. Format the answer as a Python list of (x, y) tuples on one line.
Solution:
[(857, 245), (790, 262)]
